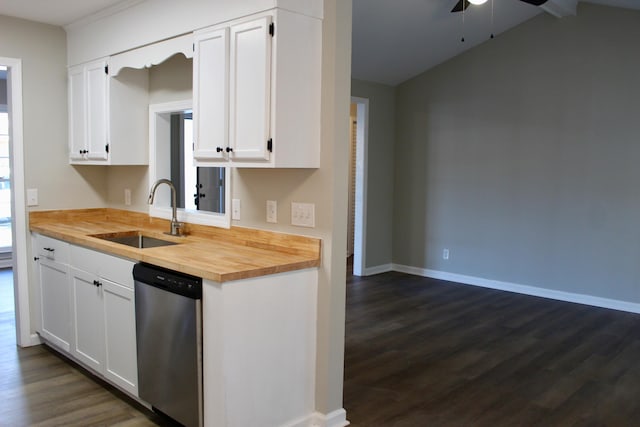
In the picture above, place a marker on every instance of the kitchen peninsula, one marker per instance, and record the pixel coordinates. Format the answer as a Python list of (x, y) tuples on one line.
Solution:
[(258, 307)]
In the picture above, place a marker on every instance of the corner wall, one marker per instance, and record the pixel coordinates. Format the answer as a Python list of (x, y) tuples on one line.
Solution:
[(520, 157), (380, 173), (42, 49)]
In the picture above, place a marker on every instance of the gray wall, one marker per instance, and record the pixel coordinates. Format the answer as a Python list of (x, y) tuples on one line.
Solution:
[(380, 157), (521, 157), (168, 82), (42, 49)]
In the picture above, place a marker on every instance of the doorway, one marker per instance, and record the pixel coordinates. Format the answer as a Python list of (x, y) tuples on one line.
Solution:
[(6, 240), (12, 103), (358, 183)]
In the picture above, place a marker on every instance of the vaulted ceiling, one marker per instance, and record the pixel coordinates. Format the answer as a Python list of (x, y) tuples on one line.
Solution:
[(393, 40)]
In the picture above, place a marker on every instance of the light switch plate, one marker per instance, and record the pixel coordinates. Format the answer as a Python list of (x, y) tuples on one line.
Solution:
[(32, 197), (303, 214), (127, 196), (235, 209), (272, 211)]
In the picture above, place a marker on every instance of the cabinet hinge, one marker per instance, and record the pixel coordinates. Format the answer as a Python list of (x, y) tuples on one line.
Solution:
[(270, 145), (272, 29), (106, 69), (106, 148)]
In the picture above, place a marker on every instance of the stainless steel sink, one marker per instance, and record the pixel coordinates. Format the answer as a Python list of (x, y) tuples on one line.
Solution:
[(135, 239)]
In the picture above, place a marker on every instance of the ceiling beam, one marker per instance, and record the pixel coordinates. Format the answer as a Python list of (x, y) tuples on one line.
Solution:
[(561, 8)]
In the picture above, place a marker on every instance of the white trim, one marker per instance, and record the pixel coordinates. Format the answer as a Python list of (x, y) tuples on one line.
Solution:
[(521, 289), (197, 217), (377, 269), (18, 203), (337, 418), (360, 225)]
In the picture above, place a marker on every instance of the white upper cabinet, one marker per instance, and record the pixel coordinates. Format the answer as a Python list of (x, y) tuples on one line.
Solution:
[(107, 116), (88, 97), (250, 87), (257, 92), (211, 94)]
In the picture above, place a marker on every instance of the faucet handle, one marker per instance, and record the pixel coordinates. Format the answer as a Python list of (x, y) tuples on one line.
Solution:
[(177, 228)]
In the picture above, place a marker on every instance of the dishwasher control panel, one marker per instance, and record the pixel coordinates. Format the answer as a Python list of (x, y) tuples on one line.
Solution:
[(169, 280)]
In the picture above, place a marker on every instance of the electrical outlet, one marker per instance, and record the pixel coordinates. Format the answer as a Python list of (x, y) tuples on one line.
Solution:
[(445, 254), (32, 197), (272, 211), (127, 196), (235, 209), (303, 214)]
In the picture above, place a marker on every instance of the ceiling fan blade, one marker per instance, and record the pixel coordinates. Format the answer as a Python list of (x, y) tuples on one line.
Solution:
[(534, 2), (460, 6)]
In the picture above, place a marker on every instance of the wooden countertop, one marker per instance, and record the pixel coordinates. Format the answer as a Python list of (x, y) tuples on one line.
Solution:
[(212, 253)]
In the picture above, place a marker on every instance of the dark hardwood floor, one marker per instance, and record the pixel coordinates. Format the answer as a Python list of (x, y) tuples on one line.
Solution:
[(40, 388), (422, 352), (419, 352)]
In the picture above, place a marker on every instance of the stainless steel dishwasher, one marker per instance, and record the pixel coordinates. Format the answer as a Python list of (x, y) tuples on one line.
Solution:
[(169, 342)]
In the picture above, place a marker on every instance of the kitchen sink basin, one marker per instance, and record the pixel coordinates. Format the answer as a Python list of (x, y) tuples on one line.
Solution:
[(135, 239)]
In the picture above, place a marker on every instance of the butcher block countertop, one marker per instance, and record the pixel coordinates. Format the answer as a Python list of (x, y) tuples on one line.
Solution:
[(212, 253)]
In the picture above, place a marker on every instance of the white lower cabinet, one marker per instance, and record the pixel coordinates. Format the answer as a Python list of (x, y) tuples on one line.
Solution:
[(55, 310), (52, 272), (104, 316), (87, 319), (87, 308), (120, 364)]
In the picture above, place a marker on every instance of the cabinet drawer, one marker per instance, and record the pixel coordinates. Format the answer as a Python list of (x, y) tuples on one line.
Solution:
[(53, 249), (117, 270), (107, 266)]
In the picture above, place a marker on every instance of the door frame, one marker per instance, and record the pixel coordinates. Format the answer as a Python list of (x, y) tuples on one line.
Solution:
[(360, 225), (24, 336)]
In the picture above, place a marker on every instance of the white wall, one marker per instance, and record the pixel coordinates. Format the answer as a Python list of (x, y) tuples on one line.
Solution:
[(520, 157)]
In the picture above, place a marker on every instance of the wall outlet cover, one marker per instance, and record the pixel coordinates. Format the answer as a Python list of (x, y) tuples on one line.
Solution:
[(303, 214), (235, 209), (272, 211), (32, 197)]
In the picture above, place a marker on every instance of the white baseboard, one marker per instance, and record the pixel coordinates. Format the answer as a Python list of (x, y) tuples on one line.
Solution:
[(337, 418), (370, 271), (521, 289), (34, 340)]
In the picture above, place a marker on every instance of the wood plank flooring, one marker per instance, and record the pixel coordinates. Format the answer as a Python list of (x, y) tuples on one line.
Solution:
[(419, 352), (40, 388), (422, 352)]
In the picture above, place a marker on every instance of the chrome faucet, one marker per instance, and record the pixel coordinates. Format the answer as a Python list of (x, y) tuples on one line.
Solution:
[(176, 226)]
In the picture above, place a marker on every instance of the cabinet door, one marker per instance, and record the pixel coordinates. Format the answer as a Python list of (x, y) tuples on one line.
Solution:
[(97, 101), (77, 113), (87, 315), (210, 95), (250, 86), (120, 336), (54, 303)]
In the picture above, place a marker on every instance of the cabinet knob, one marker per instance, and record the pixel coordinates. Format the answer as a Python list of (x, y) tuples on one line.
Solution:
[(229, 149), (35, 258), (218, 149)]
